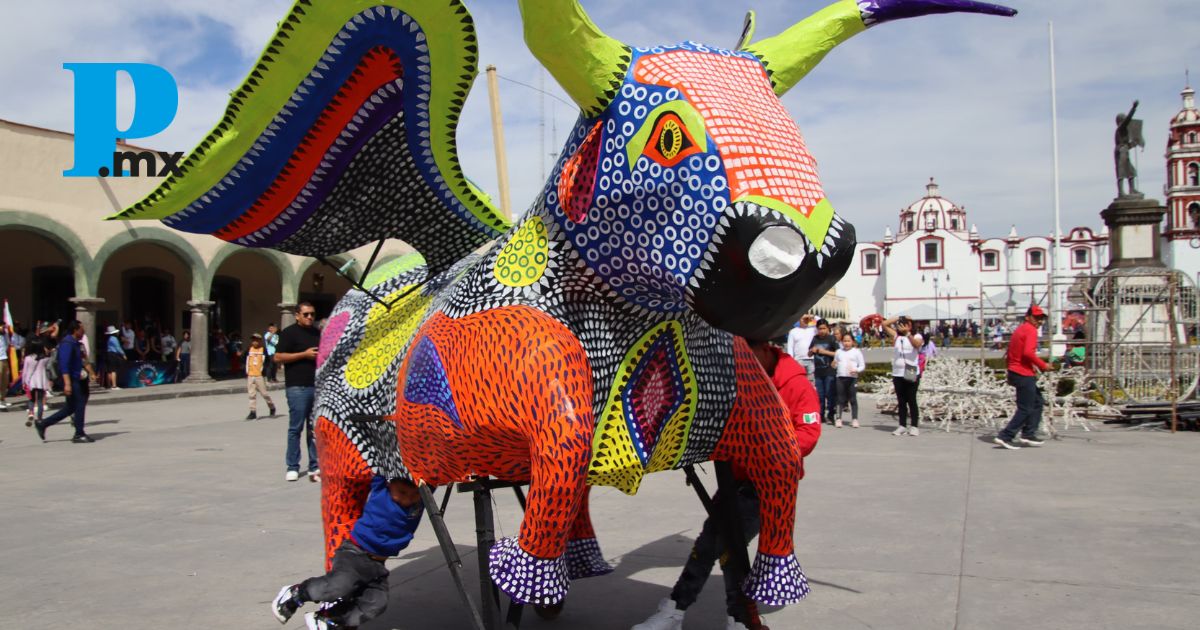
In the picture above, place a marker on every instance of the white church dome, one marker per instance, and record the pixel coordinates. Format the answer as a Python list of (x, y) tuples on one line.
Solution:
[(933, 211)]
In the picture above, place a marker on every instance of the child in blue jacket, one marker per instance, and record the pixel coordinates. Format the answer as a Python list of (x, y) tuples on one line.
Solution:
[(356, 589)]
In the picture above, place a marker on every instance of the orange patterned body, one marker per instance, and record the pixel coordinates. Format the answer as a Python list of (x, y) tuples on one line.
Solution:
[(523, 392)]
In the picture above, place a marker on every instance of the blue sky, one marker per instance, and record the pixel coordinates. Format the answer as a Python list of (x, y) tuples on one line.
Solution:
[(961, 98)]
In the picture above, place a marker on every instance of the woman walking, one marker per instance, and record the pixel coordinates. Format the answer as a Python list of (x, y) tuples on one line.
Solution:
[(906, 373)]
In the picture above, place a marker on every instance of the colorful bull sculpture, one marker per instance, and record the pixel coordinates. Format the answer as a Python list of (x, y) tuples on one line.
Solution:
[(597, 339)]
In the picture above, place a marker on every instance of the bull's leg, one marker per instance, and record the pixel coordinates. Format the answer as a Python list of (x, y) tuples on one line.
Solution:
[(584, 558), (532, 569), (759, 437), (345, 484)]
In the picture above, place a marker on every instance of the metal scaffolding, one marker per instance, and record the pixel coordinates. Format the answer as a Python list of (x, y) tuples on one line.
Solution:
[(1138, 325)]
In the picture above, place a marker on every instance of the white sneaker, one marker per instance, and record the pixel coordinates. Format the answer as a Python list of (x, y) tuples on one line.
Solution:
[(316, 622), (838, 424), (900, 431), (914, 431), (291, 475), (854, 424), (668, 617), (314, 476)]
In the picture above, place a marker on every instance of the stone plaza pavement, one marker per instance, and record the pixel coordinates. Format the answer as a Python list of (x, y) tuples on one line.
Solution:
[(178, 517)]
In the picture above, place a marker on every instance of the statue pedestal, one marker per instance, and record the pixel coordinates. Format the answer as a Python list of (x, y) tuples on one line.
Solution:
[(1134, 225)]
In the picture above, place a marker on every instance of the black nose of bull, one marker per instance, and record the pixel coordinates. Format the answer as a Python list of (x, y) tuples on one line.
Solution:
[(761, 274)]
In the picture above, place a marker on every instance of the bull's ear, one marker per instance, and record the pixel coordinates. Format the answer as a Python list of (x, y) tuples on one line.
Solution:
[(588, 64), (790, 55)]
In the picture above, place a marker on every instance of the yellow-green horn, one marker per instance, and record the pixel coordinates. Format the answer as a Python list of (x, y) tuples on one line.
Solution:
[(588, 64), (792, 54)]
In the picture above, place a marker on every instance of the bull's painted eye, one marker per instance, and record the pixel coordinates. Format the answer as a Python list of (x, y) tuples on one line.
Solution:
[(670, 141), (671, 133)]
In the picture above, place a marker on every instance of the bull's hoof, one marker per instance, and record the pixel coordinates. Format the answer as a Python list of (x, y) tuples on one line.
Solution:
[(776, 580), (584, 559), (526, 579)]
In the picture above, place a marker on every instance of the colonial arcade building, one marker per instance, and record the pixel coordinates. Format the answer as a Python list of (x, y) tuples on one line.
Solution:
[(62, 260)]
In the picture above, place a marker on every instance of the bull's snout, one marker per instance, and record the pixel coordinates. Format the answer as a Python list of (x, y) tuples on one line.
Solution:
[(777, 252), (760, 273)]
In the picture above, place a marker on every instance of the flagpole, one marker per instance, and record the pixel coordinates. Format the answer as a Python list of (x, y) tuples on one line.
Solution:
[(1054, 258)]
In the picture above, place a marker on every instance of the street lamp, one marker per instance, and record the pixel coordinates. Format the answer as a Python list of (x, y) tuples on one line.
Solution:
[(936, 276)]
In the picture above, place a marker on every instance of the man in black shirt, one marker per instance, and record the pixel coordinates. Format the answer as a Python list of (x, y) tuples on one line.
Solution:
[(822, 350), (297, 352)]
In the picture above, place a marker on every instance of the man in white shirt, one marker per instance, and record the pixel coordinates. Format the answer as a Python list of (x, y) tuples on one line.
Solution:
[(799, 339)]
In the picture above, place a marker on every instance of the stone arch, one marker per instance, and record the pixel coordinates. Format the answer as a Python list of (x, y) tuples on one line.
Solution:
[(158, 236), (333, 285), (246, 286), (282, 264), (339, 260), (62, 236)]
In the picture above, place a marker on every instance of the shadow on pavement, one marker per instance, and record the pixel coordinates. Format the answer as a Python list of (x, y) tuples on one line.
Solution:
[(422, 593)]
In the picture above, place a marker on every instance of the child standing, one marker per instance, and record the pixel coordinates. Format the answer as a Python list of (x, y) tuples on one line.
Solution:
[(255, 384), (850, 363), (33, 373), (356, 590)]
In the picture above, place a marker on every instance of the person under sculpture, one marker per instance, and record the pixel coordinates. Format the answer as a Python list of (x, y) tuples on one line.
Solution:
[(1128, 136), (594, 341)]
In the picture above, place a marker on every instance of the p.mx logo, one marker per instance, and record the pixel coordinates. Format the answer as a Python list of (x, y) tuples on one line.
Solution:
[(96, 133)]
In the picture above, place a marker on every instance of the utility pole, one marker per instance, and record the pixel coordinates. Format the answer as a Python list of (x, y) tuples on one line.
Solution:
[(498, 141)]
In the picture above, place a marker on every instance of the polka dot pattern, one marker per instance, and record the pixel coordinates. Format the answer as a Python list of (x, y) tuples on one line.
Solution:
[(525, 578), (776, 580), (525, 256)]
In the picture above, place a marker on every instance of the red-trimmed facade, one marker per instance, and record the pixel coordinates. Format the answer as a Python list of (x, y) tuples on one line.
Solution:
[(1029, 256), (923, 260), (983, 255), (864, 257), (1183, 172)]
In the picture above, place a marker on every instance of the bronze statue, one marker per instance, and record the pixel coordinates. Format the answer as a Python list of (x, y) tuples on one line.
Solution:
[(1128, 136)]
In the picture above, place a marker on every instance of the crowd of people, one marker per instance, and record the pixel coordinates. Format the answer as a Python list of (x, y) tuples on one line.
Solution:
[(833, 361), (56, 358)]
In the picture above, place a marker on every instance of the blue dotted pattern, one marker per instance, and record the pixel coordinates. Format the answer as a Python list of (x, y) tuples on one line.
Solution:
[(648, 226)]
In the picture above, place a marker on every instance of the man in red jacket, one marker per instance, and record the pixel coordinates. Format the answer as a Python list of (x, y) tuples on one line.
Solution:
[(804, 407), (1022, 359)]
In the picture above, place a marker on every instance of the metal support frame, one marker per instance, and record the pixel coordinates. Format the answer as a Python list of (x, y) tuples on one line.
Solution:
[(453, 561), (724, 512), (357, 283), (485, 537)]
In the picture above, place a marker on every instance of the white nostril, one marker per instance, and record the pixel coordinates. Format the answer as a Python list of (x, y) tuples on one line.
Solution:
[(777, 252)]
